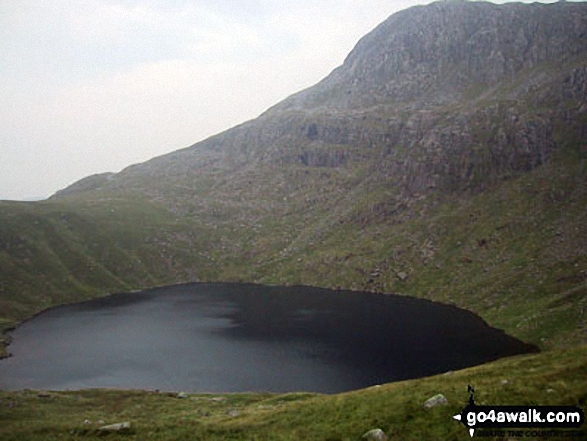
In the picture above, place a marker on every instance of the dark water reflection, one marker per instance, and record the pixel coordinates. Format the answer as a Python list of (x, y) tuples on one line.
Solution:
[(235, 338)]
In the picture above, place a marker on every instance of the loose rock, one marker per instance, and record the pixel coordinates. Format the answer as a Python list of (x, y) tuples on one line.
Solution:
[(116, 428), (436, 400), (375, 435)]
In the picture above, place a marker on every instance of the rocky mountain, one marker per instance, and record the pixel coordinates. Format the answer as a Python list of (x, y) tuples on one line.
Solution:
[(432, 55), (446, 158), (450, 95)]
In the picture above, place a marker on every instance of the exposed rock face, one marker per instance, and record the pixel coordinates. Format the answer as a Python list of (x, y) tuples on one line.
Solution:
[(453, 95), (433, 53)]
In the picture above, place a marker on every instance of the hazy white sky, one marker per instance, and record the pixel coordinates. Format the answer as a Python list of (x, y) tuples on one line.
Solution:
[(88, 86)]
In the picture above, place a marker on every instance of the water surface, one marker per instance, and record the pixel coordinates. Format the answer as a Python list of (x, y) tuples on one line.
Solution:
[(237, 338)]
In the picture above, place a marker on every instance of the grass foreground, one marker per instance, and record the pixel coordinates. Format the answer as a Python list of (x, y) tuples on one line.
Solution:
[(549, 378)]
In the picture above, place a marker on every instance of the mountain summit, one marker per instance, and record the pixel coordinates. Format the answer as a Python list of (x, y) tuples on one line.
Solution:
[(432, 55)]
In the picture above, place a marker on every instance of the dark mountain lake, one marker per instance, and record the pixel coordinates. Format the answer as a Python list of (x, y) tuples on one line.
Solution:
[(236, 338)]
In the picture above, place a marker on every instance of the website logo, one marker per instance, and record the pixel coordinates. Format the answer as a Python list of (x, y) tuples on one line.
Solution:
[(508, 420)]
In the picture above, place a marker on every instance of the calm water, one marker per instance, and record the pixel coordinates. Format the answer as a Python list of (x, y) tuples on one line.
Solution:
[(236, 338)]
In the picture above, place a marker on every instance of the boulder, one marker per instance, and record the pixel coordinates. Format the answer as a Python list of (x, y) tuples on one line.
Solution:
[(436, 400), (375, 435), (116, 428)]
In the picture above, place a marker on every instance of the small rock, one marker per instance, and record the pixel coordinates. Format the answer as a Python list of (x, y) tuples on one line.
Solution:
[(233, 413), (549, 391), (87, 422), (375, 435), (436, 400), (505, 381), (218, 399), (100, 422), (118, 427), (402, 276), (182, 395)]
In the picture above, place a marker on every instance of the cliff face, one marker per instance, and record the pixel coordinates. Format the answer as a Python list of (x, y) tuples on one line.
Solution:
[(453, 95), (446, 158), (427, 56)]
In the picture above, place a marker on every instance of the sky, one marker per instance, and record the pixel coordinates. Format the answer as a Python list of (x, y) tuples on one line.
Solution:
[(90, 86)]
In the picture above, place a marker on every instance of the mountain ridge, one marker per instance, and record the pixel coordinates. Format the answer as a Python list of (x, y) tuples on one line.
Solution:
[(408, 44), (415, 48)]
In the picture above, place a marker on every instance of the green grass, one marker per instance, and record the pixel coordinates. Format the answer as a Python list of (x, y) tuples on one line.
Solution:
[(65, 251), (551, 378), (514, 254)]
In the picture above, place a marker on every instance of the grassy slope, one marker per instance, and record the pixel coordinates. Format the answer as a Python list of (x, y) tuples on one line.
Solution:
[(65, 251), (515, 255), (551, 378)]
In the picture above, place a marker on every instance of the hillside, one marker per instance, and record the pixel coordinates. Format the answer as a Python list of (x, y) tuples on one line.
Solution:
[(445, 159)]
